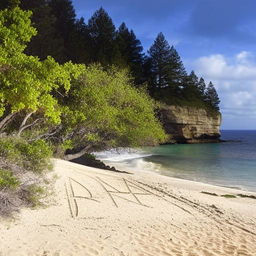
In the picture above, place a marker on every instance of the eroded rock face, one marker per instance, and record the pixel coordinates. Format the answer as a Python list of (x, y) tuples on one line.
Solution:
[(190, 124)]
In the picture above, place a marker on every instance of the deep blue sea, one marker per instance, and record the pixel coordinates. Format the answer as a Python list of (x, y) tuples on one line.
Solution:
[(230, 164)]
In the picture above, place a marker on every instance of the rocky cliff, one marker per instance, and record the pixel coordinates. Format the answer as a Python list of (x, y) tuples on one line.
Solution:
[(190, 124)]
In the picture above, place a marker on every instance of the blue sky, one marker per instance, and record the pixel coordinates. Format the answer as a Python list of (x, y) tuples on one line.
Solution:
[(216, 38)]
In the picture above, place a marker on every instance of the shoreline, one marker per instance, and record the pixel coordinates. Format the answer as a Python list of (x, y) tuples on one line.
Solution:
[(98, 212), (122, 167)]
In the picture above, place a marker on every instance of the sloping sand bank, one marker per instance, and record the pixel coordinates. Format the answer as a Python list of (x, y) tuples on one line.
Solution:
[(98, 212)]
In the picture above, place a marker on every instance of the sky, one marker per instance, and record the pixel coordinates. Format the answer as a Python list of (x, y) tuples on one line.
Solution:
[(215, 38)]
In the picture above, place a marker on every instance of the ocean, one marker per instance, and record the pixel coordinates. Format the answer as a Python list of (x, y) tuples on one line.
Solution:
[(230, 164)]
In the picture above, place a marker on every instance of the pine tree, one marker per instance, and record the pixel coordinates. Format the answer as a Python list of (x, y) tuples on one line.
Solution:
[(102, 32), (46, 42), (122, 40), (136, 58), (160, 55), (130, 49), (167, 68), (64, 13), (212, 96), (176, 73), (81, 43), (202, 88), (190, 89)]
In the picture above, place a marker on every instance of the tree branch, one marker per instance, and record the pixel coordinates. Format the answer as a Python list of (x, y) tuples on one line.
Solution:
[(27, 126), (6, 119), (69, 157), (26, 118), (47, 135)]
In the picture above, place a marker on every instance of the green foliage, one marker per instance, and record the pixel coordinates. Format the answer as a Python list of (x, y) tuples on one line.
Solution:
[(15, 31), (34, 156), (8, 180), (117, 114), (211, 96), (169, 83), (26, 83), (159, 54), (34, 194), (131, 55), (167, 70), (67, 144), (102, 32)]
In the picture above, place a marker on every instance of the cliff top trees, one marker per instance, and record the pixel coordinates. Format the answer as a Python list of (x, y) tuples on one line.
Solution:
[(167, 67), (191, 87), (212, 97), (160, 56), (202, 87), (177, 72)]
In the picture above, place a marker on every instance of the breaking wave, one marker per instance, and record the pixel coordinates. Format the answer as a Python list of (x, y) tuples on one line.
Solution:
[(128, 159)]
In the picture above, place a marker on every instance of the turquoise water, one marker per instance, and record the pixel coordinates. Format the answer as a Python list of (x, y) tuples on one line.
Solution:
[(231, 164)]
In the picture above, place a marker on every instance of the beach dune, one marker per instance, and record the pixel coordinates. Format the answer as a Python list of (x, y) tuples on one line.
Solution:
[(97, 212)]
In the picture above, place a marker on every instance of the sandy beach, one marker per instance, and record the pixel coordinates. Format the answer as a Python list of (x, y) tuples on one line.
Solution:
[(96, 212)]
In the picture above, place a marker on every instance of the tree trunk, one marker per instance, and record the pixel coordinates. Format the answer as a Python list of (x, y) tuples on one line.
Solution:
[(23, 124), (5, 120), (69, 157)]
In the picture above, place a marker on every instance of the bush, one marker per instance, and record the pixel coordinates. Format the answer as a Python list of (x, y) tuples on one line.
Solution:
[(34, 194), (8, 180), (34, 156), (9, 149)]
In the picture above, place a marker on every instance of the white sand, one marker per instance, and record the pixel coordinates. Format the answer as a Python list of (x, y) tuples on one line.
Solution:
[(105, 213)]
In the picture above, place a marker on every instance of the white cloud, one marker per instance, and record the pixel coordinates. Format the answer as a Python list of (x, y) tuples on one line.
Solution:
[(235, 80)]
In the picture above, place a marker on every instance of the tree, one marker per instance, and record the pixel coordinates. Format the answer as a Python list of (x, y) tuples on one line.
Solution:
[(65, 26), (47, 42), (130, 49), (212, 96), (160, 55), (102, 32), (176, 71), (202, 88), (191, 90), (167, 70), (105, 110), (26, 83), (81, 43)]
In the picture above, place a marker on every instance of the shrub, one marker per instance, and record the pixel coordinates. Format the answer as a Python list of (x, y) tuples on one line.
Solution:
[(8, 180), (9, 149), (34, 194), (34, 156)]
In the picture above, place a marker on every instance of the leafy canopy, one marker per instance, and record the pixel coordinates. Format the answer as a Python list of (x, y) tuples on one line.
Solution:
[(115, 112), (26, 83)]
